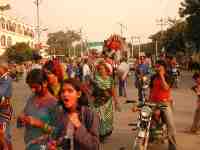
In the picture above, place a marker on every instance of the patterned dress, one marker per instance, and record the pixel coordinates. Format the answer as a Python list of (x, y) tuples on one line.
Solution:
[(105, 109)]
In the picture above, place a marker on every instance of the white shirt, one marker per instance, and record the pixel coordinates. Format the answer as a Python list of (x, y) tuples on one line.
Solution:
[(86, 70), (123, 70), (36, 66)]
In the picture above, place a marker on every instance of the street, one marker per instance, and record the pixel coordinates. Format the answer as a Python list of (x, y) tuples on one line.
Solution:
[(123, 136)]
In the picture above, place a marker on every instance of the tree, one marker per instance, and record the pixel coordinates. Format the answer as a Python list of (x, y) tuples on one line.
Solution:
[(19, 52), (190, 10), (173, 39), (4, 7), (61, 41)]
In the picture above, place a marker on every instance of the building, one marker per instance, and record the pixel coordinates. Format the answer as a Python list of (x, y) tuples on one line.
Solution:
[(13, 30)]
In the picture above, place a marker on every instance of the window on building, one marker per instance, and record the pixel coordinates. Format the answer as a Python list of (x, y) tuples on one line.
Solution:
[(3, 40), (24, 30), (14, 27), (9, 41), (19, 29), (7, 25), (2, 23)]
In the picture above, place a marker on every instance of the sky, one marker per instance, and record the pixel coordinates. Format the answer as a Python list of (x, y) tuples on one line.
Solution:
[(98, 18)]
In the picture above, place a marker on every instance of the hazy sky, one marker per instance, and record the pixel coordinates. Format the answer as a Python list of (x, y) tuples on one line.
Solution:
[(98, 18)]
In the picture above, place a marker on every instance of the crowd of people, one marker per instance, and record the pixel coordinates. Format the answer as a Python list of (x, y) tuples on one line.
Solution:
[(72, 104)]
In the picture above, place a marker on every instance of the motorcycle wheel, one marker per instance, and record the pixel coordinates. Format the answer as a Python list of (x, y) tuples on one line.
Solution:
[(139, 144), (146, 143)]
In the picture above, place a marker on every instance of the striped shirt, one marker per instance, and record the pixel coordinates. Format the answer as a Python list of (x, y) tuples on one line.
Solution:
[(104, 84)]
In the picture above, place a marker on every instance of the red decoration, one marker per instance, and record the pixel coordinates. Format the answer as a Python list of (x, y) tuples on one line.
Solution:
[(114, 42)]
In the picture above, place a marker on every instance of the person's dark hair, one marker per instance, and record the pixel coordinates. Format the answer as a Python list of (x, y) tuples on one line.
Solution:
[(162, 63), (82, 101), (168, 78), (196, 75), (49, 66), (36, 76), (55, 67)]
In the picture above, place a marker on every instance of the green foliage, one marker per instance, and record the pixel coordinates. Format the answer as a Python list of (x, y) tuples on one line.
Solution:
[(5, 7), (190, 10), (62, 41), (19, 52), (173, 39)]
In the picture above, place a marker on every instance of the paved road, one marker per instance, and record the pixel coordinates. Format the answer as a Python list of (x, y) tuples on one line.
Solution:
[(123, 136)]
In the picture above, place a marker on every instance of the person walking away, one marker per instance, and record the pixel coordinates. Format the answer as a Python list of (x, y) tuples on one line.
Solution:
[(86, 70), (5, 104), (160, 92), (123, 71)]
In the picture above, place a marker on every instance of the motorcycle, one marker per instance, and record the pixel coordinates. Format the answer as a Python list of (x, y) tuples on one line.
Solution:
[(150, 127)]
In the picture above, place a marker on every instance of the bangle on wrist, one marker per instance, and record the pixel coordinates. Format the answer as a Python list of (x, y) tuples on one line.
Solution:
[(46, 128)]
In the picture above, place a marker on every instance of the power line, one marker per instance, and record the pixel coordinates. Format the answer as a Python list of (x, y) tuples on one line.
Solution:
[(162, 22)]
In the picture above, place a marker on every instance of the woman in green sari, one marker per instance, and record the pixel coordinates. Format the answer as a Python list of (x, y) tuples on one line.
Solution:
[(105, 97)]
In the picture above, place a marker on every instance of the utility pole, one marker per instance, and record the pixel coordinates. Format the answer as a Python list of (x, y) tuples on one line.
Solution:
[(37, 3), (162, 22), (156, 49), (132, 46), (122, 27), (81, 34), (138, 38)]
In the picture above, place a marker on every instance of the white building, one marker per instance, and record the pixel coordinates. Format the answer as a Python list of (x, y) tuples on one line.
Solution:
[(13, 31)]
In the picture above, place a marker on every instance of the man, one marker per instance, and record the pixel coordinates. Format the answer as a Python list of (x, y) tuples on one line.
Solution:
[(141, 70), (160, 92), (123, 71), (36, 64), (5, 104), (86, 70)]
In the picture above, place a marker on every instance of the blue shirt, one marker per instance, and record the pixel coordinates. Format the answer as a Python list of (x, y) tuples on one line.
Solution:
[(5, 86), (6, 92), (144, 68)]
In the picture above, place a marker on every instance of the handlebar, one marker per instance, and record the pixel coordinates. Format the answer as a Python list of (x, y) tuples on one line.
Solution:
[(130, 102), (150, 104)]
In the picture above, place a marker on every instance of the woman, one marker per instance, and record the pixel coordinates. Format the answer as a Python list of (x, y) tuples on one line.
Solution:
[(38, 114), (104, 93), (78, 128), (55, 75)]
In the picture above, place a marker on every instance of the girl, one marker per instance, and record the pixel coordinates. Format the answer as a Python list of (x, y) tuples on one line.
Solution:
[(78, 127)]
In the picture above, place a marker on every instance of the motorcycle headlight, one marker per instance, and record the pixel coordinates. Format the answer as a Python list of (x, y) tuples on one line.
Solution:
[(144, 78), (146, 112)]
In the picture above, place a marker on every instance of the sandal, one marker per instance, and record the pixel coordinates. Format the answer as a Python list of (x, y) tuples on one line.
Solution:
[(192, 131)]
